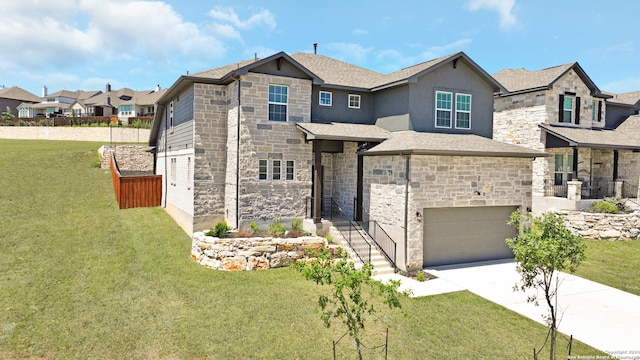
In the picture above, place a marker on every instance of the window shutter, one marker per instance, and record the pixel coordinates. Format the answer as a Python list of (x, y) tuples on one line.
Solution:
[(599, 111), (577, 110), (561, 108)]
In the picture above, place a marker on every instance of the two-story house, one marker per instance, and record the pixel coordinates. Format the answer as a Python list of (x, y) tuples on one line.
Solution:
[(13, 97), (59, 103), (412, 150), (125, 103), (561, 111)]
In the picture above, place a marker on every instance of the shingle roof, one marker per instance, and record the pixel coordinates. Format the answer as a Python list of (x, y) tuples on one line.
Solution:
[(336, 72), (16, 93), (448, 144), (630, 98), (220, 72), (521, 79), (77, 95), (343, 131), (622, 137)]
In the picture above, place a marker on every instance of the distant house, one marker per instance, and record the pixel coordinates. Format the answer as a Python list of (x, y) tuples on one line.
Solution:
[(411, 150), (561, 111), (125, 103), (60, 103), (13, 97)]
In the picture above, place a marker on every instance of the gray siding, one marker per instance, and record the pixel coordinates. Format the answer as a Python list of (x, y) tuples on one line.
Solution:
[(339, 110), (286, 69), (392, 102), (459, 79), (182, 135), (617, 114)]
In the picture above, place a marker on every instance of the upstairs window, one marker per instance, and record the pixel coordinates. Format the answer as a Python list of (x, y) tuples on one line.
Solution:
[(354, 101), (325, 98), (596, 111), (463, 111), (444, 106), (569, 109), (278, 99)]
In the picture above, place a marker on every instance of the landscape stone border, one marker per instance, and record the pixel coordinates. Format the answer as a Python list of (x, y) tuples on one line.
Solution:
[(598, 226), (258, 253)]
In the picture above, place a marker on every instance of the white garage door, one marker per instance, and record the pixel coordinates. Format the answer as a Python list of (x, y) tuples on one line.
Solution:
[(468, 234)]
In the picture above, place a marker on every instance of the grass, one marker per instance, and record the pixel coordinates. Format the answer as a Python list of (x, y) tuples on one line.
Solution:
[(613, 263), (81, 279)]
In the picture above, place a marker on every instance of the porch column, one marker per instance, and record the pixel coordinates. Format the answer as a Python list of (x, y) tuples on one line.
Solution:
[(317, 181), (617, 190), (574, 190)]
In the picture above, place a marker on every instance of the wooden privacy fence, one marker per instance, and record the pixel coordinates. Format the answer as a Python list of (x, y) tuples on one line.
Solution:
[(135, 191)]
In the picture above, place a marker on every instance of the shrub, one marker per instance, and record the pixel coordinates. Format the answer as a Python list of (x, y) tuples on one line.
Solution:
[(254, 227), (605, 207), (296, 225), (220, 230), (420, 276), (620, 203), (276, 229), (329, 238)]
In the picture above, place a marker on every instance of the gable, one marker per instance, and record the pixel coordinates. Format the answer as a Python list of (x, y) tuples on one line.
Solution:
[(281, 67)]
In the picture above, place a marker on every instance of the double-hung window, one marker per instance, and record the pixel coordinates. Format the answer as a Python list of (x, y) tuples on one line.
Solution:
[(444, 106), (276, 170), (354, 101), (325, 98), (290, 170), (563, 170), (278, 100), (567, 109), (262, 170), (463, 111)]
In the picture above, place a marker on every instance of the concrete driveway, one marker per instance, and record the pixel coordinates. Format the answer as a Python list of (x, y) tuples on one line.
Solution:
[(605, 318)]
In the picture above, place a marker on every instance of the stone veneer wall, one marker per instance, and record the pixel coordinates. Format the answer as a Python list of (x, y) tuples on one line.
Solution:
[(602, 226), (129, 157), (260, 138), (571, 82), (237, 254), (345, 174), (441, 181), (210, 142)]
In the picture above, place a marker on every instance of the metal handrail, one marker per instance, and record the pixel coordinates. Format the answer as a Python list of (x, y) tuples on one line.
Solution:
[(348, 229), (629, 190), (383, 241)]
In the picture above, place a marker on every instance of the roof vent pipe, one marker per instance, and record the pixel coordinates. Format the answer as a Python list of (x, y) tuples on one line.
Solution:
[(315, 48), (44, 91)]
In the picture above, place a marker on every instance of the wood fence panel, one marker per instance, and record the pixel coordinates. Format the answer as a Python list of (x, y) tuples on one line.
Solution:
[(136, 191)]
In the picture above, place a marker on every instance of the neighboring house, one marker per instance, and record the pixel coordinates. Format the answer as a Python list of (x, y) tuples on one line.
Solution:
[(258, 139), (125, 103), (60, 103), (14, 97), (561, 111)]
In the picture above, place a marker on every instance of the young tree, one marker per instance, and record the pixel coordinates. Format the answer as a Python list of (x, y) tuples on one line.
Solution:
[(542, 247), (346, 300), (8, 115)]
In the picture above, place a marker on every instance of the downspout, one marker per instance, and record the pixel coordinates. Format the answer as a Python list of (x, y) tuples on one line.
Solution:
[(406, 210), (166, 153)]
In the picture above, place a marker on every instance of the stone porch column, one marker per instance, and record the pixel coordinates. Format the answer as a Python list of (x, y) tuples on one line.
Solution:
[(617, 190), (574, 190)]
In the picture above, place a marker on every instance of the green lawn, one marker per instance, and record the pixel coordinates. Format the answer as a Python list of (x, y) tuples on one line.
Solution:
[(81, 279), (613, 263)]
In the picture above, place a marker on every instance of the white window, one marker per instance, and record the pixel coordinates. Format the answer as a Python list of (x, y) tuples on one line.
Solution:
[(276, 170), (325, 98), (567, 109), (563, 169), (290, 171), (278, 99), (173, 171), (463, 111), (262, 170), (189, 173), (354, 101), (444, 106)]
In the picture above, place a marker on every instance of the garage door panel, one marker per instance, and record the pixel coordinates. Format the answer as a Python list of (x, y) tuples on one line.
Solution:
[(459, 235)]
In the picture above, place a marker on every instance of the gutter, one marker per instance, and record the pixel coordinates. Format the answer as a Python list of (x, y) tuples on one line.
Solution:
[(237, 79), (406, 209)]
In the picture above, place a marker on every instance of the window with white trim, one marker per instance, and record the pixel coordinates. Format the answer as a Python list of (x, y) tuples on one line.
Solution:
[(354, 101), (278, 100), (290, 170), (325, 98), (173, 171), (262, 170), (276, 170), (444, 106), (567, 109), (189, 173), (463, 111)]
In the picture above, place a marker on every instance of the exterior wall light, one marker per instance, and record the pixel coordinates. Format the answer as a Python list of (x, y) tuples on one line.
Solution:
[(419, 216)]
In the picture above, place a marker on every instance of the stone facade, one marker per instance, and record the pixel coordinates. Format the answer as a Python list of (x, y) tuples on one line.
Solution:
[(210, 137), (343, 177), (261, 139), (238, 254), (440, 181), (598, 226), (129, 157)]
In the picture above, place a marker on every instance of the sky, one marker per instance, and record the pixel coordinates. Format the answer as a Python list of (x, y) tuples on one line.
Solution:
[(85, 44)]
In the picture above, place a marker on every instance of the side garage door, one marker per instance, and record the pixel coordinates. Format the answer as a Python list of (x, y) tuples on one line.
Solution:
[(468, 234)]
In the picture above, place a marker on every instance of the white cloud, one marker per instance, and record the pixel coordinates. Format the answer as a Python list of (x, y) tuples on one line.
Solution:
[(623, 85), (359, 32), (625, 49), (349, 51), (503, 7), (394, 59), (264, 18)]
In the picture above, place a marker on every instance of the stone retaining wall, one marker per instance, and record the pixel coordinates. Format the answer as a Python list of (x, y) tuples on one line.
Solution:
[(129, 157), (238, 254), (101, 134), (598, 226)]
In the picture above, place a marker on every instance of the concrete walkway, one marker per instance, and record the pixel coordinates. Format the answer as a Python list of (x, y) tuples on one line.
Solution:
[(605, 318)]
